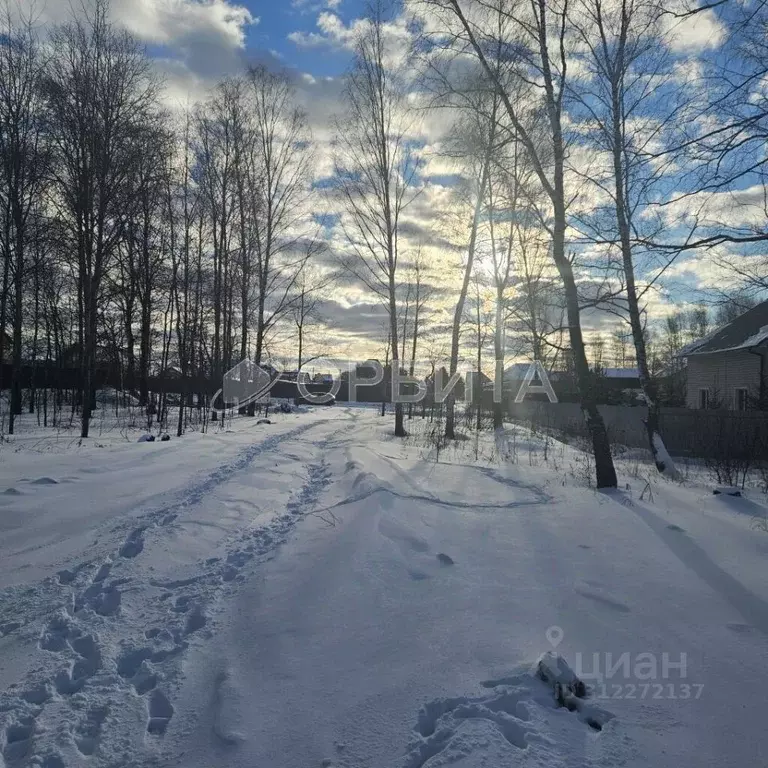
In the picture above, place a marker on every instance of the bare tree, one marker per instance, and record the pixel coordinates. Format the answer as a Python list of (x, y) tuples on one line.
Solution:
[(99, 92), (422, 292), (280, 196), (480, 148), (535, 315), (622, 103), (620, 347), (217, 132), (145, 233), (22, 163), (481, 319), (306, 302), (511, 224), (376, 171), (181, 205), (535, 37), (730, 307)]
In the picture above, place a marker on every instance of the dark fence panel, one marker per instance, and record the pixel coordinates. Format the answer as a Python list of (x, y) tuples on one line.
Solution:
[(59, 377), (686, 432), (709, 434)]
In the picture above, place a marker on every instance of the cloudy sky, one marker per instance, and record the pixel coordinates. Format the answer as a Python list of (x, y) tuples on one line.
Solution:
[(196, 42)]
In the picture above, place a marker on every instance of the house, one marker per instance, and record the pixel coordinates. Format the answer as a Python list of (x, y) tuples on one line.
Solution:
[(726, 369)]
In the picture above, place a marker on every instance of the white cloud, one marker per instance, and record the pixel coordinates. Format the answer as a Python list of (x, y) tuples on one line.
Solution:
[(710, 270), (176, 21), (334, 33), (182, 86), (742, 208), (207, 37), (160, 21), (313, 6), (698, 32)]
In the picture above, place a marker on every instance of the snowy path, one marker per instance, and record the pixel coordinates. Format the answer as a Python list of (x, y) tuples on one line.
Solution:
[(358, 648), (121, 619), (323, 596)]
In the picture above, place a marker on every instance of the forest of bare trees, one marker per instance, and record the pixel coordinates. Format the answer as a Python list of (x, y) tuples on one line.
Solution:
[(142, 242), (136, 240)]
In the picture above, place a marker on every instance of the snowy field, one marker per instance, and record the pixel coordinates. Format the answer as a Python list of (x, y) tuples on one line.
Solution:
[(313, 593)]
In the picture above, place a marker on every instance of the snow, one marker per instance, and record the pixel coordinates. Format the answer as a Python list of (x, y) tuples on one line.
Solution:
[(752, 341), (755, 339), (314, 592), (663, 457)]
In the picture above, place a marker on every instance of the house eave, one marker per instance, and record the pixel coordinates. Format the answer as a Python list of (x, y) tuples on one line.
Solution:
[(738, 348)]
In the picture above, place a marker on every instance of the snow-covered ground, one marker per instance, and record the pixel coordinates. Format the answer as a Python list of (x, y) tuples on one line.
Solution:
[(315, 593)]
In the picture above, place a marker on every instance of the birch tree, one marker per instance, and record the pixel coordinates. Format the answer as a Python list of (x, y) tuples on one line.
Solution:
[(376, 172), (535, 40), (629, 78), (481, 145), (280, 197)]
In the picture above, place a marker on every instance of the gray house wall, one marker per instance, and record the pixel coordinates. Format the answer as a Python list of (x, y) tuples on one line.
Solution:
[(722, 373)]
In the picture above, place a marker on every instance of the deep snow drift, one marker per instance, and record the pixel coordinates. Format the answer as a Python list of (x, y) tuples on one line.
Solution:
[(316, 593)]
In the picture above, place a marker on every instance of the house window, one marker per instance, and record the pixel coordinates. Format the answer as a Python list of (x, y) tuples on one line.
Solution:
[(741, 399), (703, 398)]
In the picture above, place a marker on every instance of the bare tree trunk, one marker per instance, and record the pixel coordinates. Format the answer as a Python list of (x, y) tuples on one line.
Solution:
[(18, 322), (616, 74), (89, 355), (145, 349), (458, 312), (4, 310), (300, 331), (498, 351), (478, 377), (35, 333), (416, 313), (399, 427)]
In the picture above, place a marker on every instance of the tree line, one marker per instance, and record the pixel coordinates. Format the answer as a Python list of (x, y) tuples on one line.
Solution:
[(190, 239), (133, 236), (589, 156)]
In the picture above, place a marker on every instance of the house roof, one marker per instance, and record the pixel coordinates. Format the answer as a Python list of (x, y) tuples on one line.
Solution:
[(620, 373), (747, 330), (516, 370)]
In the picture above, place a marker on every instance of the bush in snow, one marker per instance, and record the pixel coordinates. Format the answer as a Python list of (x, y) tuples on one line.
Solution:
[(731, 446)]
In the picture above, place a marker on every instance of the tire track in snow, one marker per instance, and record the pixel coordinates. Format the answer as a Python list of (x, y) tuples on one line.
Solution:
[(91, 609)]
